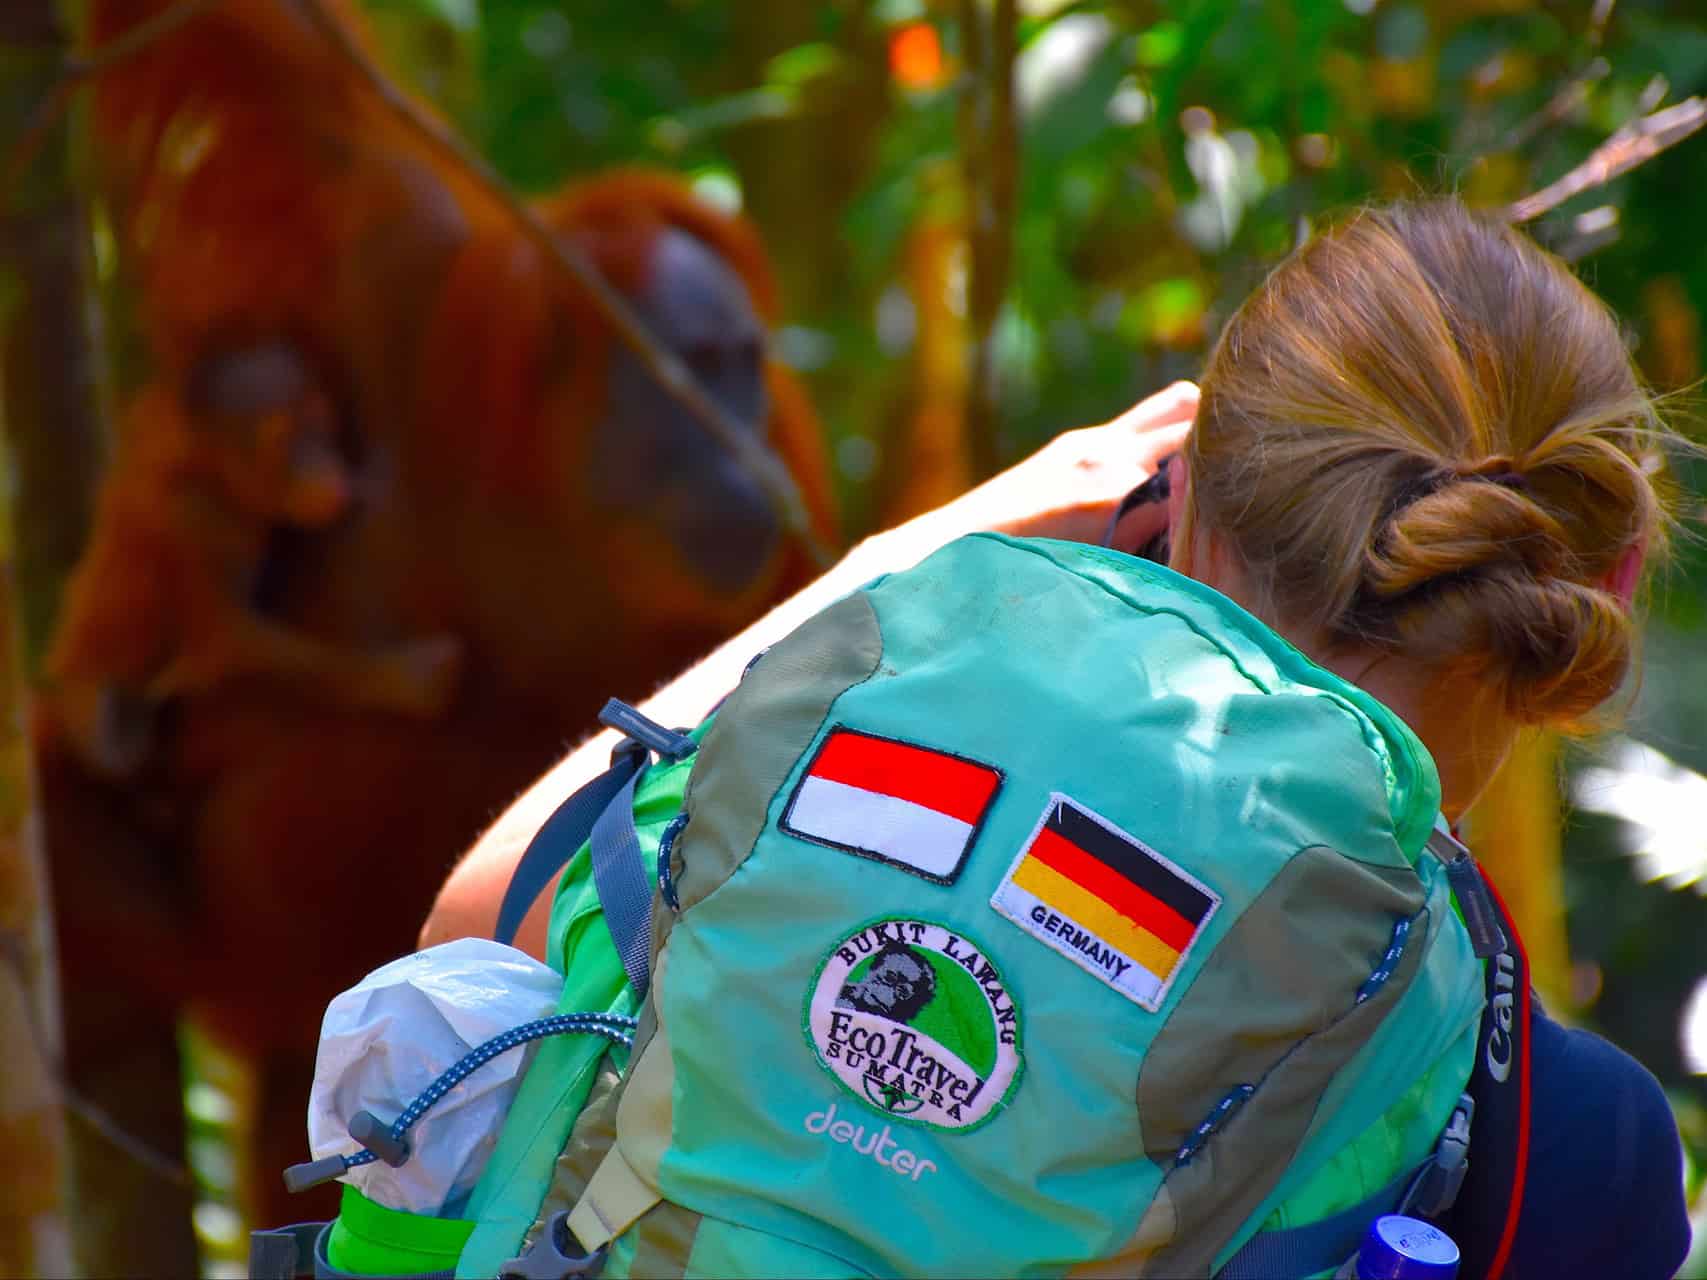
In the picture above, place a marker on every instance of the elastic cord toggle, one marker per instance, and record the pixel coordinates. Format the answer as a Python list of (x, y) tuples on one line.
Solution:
[(380, 1141)]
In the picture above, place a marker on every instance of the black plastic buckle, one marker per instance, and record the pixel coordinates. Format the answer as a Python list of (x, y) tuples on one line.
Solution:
[(670, 744), (556, 1255), (1481, 917), (1437, 1187), (284, 1253)]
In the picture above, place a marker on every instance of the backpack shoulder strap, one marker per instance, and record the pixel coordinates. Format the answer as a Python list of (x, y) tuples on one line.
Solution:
[(1476, 1200), (565, 831), (1483, 1219), (602, 812)]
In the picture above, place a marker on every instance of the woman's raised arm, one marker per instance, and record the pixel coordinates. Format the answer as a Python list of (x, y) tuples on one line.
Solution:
[(1068, 489)]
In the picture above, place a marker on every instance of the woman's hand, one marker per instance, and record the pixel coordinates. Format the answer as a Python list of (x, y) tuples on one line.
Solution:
[(1068, 489)]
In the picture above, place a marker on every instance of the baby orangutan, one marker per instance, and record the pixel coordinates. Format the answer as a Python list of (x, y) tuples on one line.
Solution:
[(164, 602)]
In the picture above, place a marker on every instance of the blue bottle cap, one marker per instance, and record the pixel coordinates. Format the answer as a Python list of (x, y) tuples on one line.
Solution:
[(1401, 1248)]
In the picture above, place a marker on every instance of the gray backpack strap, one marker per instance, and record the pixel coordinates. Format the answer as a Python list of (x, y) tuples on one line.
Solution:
[(563, 833), (575, 821), (298, 1252), (284, 1253), (324, 1270), (624, 888)]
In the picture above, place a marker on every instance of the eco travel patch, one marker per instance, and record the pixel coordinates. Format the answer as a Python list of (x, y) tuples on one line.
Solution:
[(1105, 900), (910, 806), (915, 1021)]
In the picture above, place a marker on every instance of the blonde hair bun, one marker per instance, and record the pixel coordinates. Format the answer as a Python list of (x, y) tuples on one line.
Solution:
[(1424, 434)]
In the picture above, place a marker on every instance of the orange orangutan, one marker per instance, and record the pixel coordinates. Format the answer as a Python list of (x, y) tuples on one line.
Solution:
[(395, 513), (162, 604)]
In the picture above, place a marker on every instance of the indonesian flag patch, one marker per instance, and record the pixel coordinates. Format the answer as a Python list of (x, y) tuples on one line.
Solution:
[(910, 806), (1105, 900)]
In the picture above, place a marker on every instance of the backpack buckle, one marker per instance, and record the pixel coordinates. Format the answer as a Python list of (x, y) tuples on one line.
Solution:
[(284, 1253), (670, 744), (556, 1255), (1436, 1187), (1481, 916)]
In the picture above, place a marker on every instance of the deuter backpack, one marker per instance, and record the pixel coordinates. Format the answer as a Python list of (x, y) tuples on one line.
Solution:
[(1035, 911)]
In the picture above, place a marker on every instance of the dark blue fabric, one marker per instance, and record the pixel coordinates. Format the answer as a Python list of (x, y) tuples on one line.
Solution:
[(1603, 1198), (1604, 1194), (1317, 1246)]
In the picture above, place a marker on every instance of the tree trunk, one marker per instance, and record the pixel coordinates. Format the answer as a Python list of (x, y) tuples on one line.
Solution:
[(800, 173), (989, 148), (51, 406), (34, 1236), (34, 1232), (50, 409)]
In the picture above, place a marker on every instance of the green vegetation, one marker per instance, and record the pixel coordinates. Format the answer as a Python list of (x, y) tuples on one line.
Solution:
[(1166, 156)]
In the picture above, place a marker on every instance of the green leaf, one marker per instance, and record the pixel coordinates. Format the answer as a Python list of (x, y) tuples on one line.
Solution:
[(1160, 44), (802, 64)]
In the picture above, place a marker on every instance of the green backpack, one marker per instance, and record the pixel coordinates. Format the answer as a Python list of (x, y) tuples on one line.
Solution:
[(1035, 911)]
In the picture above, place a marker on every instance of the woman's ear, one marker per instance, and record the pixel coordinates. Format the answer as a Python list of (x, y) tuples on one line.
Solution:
[(1195, 551)]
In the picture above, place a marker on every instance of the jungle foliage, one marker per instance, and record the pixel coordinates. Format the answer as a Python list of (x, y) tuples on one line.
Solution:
[(995, 219), (1163, 157)]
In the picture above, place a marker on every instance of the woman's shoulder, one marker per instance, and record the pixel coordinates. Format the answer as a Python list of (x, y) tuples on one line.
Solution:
[(1604, 1190)]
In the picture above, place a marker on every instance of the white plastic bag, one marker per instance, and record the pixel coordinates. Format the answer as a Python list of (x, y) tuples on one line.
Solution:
[(390, 1036)]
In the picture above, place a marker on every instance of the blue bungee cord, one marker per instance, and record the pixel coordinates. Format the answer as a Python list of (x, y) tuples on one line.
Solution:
[(381, 1141)]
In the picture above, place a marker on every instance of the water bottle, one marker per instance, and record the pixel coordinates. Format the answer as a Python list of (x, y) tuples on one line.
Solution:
[(1401, 1248)]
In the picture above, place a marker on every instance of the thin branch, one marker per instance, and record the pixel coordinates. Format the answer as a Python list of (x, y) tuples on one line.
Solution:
[(990, 158), (12, 951), (85, 67), (1598, 19), (1590, 232), (1634, 144), (1572, 93), (1557, 108), (664, 366), (135, 40)]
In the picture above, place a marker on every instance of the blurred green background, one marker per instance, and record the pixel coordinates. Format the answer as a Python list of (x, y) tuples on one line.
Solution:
[(954, 297)]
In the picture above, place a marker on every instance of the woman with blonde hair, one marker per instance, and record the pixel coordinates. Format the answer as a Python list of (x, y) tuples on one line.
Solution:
[(1420, 454)]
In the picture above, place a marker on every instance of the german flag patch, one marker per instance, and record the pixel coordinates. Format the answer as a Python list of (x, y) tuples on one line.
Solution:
[(1105, 900)]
